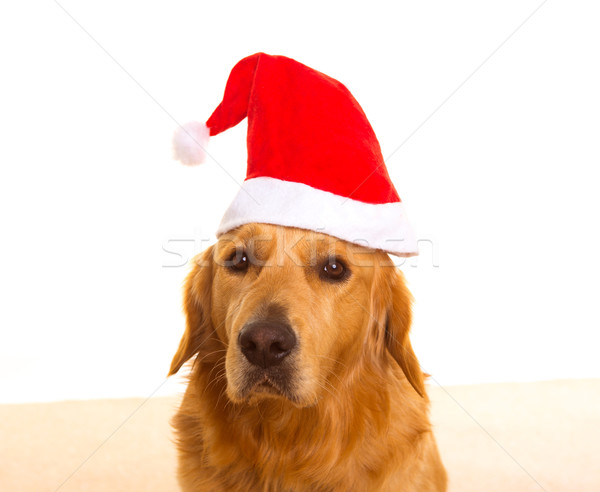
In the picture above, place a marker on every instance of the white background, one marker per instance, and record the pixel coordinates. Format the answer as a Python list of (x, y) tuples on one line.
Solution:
[(500, 177)]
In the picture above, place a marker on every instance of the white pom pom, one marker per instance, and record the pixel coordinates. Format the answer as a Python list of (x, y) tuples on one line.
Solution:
[(189, 143)]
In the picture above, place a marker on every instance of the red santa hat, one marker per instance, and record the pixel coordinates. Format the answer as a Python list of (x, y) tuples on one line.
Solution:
[(313, 159)]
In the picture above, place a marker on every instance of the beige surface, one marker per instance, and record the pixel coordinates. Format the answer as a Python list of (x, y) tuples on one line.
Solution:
[(550, 429)]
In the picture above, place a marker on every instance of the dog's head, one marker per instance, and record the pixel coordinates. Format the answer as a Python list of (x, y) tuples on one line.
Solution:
[(289, 310)]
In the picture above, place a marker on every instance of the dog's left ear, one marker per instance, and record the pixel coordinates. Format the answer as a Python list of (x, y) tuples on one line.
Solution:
[(196, 305), (398, 321)]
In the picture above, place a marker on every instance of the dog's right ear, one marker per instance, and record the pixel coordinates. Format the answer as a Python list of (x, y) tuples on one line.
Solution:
[(196, 305)]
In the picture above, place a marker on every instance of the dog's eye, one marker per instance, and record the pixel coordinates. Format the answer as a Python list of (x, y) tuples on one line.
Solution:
[(238, 262), (334, 270)]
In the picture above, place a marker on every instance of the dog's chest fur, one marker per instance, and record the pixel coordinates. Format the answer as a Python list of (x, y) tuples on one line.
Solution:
[(274, 446)]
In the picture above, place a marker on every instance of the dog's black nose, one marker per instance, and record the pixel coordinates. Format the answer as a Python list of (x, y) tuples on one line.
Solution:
[(266, 343)]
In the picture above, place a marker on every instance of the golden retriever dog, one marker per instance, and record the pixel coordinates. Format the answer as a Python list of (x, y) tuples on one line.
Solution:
[(303, 375)]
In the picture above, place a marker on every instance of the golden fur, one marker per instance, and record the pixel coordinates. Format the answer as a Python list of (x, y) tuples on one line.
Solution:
[(352, 414)]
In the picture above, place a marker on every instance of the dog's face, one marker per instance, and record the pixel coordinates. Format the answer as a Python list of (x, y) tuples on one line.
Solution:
[(291, 309)]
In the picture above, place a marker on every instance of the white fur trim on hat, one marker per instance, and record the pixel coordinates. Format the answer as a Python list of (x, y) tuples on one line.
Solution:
[(273, 201)]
